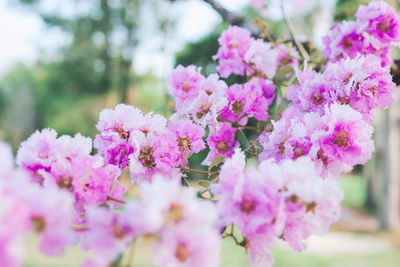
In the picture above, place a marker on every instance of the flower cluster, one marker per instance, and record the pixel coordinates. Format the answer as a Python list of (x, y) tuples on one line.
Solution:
[(68, 193), (288, 200), (66, 162), (146, 142), (376, 29), (28, 207), (182, 227)]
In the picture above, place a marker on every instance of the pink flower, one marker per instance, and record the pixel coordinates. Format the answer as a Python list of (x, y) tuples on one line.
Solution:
[(189, 136), (342, 141), (290, 136), (362, 83), (92, 181), (110, 232), (234, 44), (153, 154), (221, 142), (286, 56), (50, 217), (344, 40), (312, 204), (37, 152), (261, 59), (184, 85), (115, 128), (381, 21), (247, 199), (188, 244), (205, 108), (14, 214), (186, 224), (312, 93), (252, 99)]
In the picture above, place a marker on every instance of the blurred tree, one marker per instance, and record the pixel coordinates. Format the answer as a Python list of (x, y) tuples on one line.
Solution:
[(103, 34)]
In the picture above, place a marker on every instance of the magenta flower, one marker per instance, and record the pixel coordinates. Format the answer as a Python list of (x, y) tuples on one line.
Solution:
[(362, 83), (234, 44), (381, 21), (188, 244), (221, 142), (154, 153), (184, 85), (261, 59), (312, 93), (189, 136), (342, 141), (50, 217)]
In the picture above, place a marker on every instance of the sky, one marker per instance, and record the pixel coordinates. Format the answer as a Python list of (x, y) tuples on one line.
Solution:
[(25, 35)]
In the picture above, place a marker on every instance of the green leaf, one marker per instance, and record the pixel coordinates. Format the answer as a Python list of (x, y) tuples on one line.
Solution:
[(282, 73), (184, 182), (204, 183), (187, 156), (272, 108), (117, 261), (215, 162), (199, 195), (241, 138)]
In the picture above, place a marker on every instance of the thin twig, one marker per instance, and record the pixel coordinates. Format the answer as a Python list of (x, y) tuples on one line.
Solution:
[(198, 171), (299, 45), (237, 125), (131, 253), (115, 199), (80, 227)]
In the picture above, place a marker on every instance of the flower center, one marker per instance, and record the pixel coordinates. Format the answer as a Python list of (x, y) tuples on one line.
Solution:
[(146, 157), (346, 80), (341, 139), (298, 151), (122, 133), (385, 25), (344, 100), (205, 108), (247, 205), (373, 90), (65, 182), (237, 106), (317, 98), (322, 157), (175, 212), (348, 42), (38, 224), (184, 143), (222, 147), (182, 253), (117, 230), (186, 86)]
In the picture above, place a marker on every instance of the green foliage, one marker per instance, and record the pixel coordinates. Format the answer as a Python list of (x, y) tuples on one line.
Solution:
[(345, 9)]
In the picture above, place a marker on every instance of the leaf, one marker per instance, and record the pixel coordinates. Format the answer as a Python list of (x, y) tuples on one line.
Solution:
[(199, 195), (215, 162), (117, 261), (282, 73), (272, 108), (204, 183), (241, 138), (187, 156), (184, 182)]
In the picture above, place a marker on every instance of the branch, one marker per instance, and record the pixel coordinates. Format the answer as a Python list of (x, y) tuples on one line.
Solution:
[(115, 199), (231, 17), (299, 45)]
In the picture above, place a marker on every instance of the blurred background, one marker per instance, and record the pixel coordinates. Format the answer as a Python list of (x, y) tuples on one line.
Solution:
[(62, 62)]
